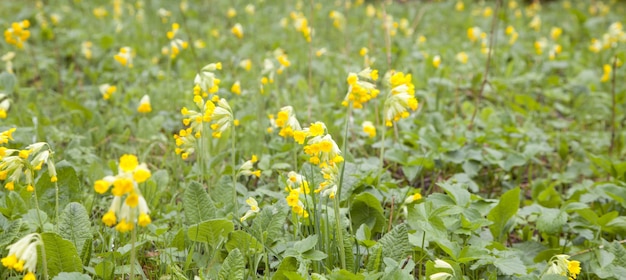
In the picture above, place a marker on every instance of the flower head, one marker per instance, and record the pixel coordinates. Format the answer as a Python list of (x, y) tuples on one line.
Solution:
[(22, 255), (17, 34), (237, 30), (124, 57), (144, 105)]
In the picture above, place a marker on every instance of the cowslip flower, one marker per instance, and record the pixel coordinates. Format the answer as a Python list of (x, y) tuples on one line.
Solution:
[(339, 21), (556, 32), (100, 12), (414, 197), (23, 255), (128, 206), (436, 61), (323, 150), (287, 122), (206, 78), (400, 98), (535, 23), (328, 187), (606, 76), (236, 88), (85, 49), (561, 265), (231, 13), (237, 30), (462, 57), (246, 169), (222, 118), (360, 91), (144, 105), (474, 33), (107, 90), (510, 30), (369, 129), (301, 24), (5, 104), (17, 34), (459, 6), (124, 57), (297, 186), (175, 44), (246, 64), (17, 164), (254, 208), (249, 9)]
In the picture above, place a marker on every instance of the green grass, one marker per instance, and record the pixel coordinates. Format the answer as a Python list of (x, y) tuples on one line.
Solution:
[(517, 155)]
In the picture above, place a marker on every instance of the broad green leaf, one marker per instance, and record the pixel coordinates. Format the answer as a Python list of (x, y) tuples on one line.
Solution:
[(71, 276), (288, 264), (222, 195), (459, 194), (366, 209), (105, 269), (211, 231), (61, 255), (233, 266), (510, 265), (69, 188), (553, 277), (551, 221), (245, 242), (345, 275), (375, 260), (198, 206), (268, 224), (305, 244), (10, 233), (396, 244), (74, 224), (505, 210), (86, 251)]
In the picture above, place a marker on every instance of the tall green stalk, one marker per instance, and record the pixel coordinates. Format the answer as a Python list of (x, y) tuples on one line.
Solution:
[(234, 171)]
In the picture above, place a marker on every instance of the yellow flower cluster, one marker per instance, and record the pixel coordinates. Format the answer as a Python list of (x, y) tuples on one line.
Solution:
[(297, 186), (23, 255), (214, 111), (614, 35), (125, 57), (134, 208), (339, 20), (17, 34), (15, 164), (361, 91), (175, 44), (107, 90), (254, 208), (237, 30), (286, 121), (400, 98), (369, 129), (302, 25), (246, 169), (561, 265)]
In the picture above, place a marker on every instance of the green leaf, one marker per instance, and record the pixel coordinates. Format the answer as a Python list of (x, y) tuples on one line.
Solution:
[(396, 244), (510, 265), (554, 277), (288, 264), (61, 255), (245, 242), (69, 188), (10, 233), (366, 209), (551, 221), (268, 224), (375, 260), (233, 266), (197, 204), (85, 253), (505, 210), (105, 269), (222, 195), (74, 224), (459, 194), (305, 244), (72, 276), (211, 231)]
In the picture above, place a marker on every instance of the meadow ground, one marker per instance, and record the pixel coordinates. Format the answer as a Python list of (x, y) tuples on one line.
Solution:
[(312, 139)]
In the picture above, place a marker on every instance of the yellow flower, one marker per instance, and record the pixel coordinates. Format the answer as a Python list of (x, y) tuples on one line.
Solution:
[(144, 105), (246, 64), (141, 173), (102, 186), (236, 88), (487, 12), (109, 219), (363, 51), (606, 76), (369, 128), (231, 13), (144, 220), (412, 198), (462, 57), (107, 90), (100, 12), (254, 208), (555, 32), (436, 61), (459, 6), (128, 163), (320, 52), (535, 23), (17, 34), (124, 57), (237, 30), (22, 255)]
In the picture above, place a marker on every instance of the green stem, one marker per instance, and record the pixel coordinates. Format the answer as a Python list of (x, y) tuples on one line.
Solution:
[(37, 207), (56, 206), (133, 240), (340, 245), (44, 261), (382, 156), (232, 155)]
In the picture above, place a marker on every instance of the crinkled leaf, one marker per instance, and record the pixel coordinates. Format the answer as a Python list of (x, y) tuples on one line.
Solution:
[(74, 224), (211, 231), (61, 255), (233, 266), (198, 206)]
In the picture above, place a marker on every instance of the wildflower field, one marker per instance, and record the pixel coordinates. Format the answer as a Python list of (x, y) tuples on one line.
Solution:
[(349, 139)]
